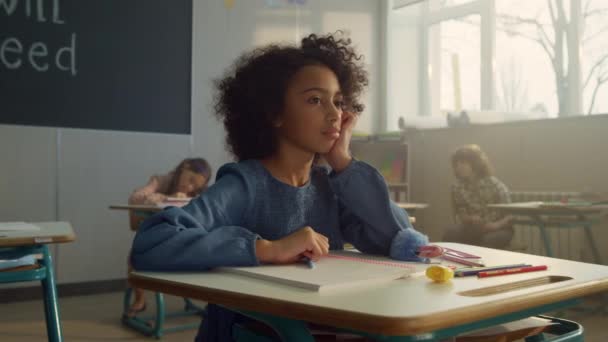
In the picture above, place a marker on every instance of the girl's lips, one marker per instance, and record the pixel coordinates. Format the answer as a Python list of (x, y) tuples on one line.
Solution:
[(331, 130), (332, 133)]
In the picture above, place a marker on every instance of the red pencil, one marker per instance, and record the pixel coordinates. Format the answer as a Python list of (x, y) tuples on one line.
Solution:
[(511, 271)]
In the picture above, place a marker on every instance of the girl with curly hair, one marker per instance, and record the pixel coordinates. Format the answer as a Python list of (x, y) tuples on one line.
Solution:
[(475, 188), (283, 108)]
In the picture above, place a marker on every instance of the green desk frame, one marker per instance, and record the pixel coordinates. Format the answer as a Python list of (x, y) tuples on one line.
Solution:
[(45, 274), (297, 331)]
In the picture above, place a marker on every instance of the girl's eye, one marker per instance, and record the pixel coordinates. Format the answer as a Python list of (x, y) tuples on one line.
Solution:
[(314, 100), (339, 104)]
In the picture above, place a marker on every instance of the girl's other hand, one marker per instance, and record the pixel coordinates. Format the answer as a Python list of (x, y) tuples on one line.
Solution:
[(303, 242), (429, 251), (475, 220)]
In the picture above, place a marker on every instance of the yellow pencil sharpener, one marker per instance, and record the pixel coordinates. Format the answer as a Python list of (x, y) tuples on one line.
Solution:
[(440, 273)]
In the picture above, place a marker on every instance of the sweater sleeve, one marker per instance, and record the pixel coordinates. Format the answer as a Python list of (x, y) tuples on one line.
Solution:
[(204, 234), (369, 219), (501, 195)]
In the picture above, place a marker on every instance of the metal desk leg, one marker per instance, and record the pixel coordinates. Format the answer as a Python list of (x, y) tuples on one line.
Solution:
[(51, 310), (545, 237), (594, 250), (295, 330)]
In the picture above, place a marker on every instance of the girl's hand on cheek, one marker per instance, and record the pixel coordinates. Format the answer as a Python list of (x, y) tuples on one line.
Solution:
[(339, 156)]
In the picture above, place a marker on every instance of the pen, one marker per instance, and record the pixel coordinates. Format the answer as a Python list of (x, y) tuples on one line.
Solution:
[(511, 271), (461, 261), (464, 272), (309, 262)]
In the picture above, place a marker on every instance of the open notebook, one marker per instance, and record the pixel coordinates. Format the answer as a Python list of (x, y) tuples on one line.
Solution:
[(336, 271)]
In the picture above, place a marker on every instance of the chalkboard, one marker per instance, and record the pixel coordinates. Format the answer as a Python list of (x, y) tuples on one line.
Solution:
[(98, 64)]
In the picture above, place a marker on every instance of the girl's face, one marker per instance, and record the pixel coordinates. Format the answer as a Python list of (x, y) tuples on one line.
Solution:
[(190, 183), (312, 113), (463, 170)]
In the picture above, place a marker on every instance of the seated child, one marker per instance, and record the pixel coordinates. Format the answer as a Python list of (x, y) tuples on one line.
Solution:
[(474, 189), (187, 180), (283, 108)]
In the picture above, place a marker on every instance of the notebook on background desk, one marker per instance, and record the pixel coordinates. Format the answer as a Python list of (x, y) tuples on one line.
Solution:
[(17, 227)]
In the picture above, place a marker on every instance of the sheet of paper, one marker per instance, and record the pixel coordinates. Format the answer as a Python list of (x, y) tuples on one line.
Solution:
[(18, 227)]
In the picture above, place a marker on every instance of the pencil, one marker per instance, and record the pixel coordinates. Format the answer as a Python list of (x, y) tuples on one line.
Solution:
[(470, 271), (511, 271), (309, 262), (462, 261)]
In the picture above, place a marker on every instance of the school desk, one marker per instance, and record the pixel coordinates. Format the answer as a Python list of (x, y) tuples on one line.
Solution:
[(410, 309), (545, 215), (16, 244), (411, 207), (138, 213)]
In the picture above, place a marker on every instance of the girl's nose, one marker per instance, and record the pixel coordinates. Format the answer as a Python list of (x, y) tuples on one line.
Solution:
[(334, 113)]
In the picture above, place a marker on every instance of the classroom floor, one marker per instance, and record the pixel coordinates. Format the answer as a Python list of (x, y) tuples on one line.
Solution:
[(97, 318)]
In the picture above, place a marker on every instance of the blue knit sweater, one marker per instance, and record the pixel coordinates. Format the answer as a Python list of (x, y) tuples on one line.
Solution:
[(219, 228)]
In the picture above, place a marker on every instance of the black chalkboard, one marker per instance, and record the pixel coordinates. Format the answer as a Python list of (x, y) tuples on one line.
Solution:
[(99, 64)]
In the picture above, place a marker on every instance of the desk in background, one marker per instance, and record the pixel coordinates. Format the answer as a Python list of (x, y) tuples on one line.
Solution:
[(546, 215), (411, 309), (138, 213), (412, 208), (16, 244)]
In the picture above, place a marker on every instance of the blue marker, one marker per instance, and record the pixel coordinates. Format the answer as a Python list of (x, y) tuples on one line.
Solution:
[(309, 262)]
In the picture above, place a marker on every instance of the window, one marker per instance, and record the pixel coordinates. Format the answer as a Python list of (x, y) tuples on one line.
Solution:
[(403, 66), (454, 65), (499, 60), (594, 61), (525, 78)]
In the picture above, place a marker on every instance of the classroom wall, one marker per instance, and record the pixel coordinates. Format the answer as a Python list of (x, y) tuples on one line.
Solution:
[(546, 155), (51, 174)]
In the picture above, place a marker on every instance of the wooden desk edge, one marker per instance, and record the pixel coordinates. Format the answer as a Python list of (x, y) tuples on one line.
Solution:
[(407, 205), (38, 240), (392, 326), (540, 209), (131, 207)]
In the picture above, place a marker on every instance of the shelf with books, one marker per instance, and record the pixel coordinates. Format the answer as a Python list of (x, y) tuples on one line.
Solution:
[(390, 155)]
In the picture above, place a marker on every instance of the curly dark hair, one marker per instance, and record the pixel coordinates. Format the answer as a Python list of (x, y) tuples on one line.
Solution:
[(251, 95), (476, 157)]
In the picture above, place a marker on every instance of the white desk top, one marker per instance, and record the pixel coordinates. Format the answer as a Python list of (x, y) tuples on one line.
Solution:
[(404, 307), (548, 207), (412, 206), (50, 232)]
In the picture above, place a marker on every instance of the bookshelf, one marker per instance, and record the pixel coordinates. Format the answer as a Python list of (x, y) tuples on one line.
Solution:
[(389, 153)]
